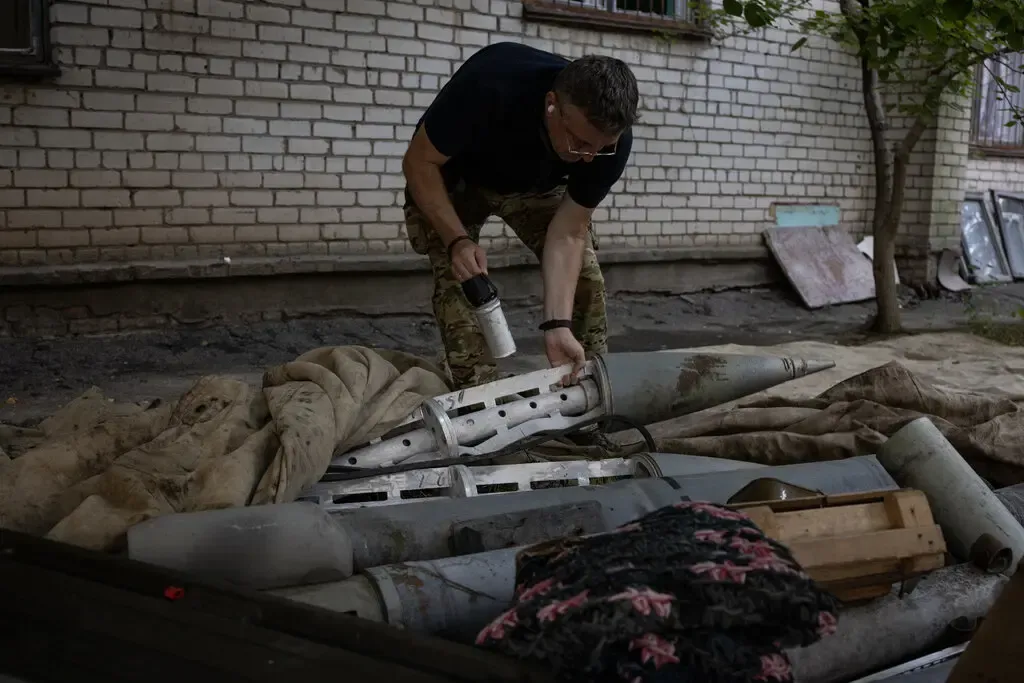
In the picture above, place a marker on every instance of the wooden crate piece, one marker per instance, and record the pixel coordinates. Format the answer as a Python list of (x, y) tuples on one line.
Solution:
[(856, 545)]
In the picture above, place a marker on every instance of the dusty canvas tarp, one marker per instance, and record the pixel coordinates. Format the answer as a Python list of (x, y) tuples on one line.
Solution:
[(853, 418), (89, 472), (93, 469)]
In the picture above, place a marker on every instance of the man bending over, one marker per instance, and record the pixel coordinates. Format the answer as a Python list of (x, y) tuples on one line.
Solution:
[(538, 141)]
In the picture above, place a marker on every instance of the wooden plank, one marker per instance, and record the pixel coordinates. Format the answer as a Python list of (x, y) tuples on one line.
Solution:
[(856, 545), (823, 264), (835, 521), (909, 509), (817, 502), (844, 515), (880, 545)]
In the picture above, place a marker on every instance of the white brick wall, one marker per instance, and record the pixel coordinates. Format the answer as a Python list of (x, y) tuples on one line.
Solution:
[(196, 128), (995, 173)]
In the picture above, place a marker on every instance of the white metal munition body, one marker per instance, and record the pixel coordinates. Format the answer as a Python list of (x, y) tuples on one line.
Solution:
[(641, 387)]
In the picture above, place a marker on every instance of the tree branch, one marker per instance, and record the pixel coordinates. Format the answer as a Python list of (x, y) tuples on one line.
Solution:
[(739, 27), (901, 155), (877, 120)]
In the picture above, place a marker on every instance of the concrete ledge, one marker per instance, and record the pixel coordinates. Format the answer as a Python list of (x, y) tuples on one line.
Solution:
[(43, 276), (106, 299)]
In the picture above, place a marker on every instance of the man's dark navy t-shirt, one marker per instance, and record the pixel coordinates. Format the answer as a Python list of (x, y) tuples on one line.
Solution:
[(489, 119)]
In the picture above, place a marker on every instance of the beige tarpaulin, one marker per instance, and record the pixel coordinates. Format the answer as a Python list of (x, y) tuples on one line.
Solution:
[(968, 385), (89, 472), (95, 468)]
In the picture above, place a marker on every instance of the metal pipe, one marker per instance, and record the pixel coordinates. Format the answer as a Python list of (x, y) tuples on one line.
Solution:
[(642, 387), (356, 595), (476, 427), (460, 481), (672, 465), (870, 637), (420, 531), (453, 597), (457, 596), (889, 630), (262, 546), (975, 523)]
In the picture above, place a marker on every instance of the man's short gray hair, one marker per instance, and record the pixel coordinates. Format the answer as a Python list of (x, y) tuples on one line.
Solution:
[(604, 88)]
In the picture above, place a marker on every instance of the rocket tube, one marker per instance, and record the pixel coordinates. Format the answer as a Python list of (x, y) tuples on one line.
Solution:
[(975, 523), (268, 546)]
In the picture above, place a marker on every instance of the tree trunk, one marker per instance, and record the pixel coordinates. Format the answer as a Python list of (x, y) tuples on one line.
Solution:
[(885, 220), (887, 319)]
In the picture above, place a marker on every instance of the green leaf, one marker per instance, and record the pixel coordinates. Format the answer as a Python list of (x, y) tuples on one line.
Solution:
[(928, 28), (798, 44), (733, 7), (756, 15), (957, 10), (1010, 124)]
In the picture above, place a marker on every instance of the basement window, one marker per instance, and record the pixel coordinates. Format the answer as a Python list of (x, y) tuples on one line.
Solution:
[(24, 39), (667, 17)]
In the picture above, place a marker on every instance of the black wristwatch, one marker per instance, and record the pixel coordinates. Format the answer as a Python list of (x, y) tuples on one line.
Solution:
[(554, 324)]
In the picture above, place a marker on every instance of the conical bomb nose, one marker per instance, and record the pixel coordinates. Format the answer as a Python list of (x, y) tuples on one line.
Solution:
[(809, 367), (661, 385)]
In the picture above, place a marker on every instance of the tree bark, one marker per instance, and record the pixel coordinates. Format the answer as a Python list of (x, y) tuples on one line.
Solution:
[(883, 227), (888, 319)]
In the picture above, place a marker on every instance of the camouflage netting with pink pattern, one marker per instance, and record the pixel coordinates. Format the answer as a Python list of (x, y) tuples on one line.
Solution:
[(692, 593)]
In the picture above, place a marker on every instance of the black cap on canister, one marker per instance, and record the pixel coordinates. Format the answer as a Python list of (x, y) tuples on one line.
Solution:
[(479, 290)]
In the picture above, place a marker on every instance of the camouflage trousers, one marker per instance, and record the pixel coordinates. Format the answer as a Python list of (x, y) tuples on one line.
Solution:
[(466, 354)]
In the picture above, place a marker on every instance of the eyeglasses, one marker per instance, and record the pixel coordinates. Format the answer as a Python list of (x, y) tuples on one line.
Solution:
[(575, 152)]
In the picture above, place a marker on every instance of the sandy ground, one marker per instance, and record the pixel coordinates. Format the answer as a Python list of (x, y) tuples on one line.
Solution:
[(37, 376)]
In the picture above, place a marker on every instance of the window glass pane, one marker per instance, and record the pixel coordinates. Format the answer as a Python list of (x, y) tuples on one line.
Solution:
[(993, 107), (15, 25), (981, 252), (655, 7)]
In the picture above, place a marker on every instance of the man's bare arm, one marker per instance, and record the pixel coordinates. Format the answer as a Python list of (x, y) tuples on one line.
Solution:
[(563, 257), (422, 168)]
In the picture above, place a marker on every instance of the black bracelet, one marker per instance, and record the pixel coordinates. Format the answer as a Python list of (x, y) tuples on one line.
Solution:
[(455, 241), (554, 324)]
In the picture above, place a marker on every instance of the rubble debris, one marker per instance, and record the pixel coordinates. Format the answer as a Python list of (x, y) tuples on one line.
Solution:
[(951, 265)]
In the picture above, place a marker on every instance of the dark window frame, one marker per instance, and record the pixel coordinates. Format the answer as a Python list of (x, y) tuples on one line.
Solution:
[(35, 60), (605, 15), (989, 136)]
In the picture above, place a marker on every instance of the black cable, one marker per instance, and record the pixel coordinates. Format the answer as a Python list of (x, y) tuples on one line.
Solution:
[(336, 473)]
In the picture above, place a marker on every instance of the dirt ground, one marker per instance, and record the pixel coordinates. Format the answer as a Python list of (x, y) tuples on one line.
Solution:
[(37, 376)]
